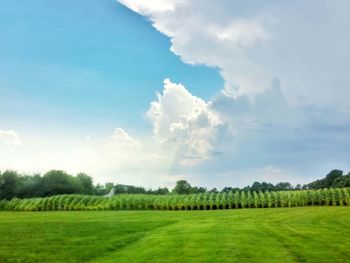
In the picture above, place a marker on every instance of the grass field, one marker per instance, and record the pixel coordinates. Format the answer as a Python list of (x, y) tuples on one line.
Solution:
[(307, 234)]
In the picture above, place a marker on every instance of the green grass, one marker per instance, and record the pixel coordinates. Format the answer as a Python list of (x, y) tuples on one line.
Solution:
[(308, 234)]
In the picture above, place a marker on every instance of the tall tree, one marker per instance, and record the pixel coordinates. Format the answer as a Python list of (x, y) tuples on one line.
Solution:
[(182, 187), (86, 184), (9, 184)]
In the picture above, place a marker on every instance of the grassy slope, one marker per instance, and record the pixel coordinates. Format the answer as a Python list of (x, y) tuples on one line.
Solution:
[(311, 234)]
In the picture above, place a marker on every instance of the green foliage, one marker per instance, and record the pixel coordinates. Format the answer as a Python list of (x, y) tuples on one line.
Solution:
[(56, 182), (256, 199), (202, 201), (243, 201), (236, 199), (334, 179), (182, 187), (9, 184)]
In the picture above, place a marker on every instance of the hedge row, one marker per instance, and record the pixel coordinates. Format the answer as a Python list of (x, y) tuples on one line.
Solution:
[(204, 201)]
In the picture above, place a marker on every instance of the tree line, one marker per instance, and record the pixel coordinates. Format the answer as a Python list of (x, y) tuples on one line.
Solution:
[(55, 182)]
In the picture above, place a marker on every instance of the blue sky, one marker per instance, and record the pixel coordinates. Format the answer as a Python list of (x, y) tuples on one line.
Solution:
[(148, 92), (72, 63)]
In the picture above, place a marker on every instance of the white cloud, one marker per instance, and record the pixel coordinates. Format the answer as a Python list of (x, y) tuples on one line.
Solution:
[(121, 140), (9, 139), (203, 33), (245, 33), (253, 42), (149, 6), (184, 123)]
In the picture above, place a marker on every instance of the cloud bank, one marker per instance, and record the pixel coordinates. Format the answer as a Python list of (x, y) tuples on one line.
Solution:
[(254, 42)]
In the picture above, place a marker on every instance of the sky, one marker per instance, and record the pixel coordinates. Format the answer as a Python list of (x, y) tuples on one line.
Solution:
[(220, 93)]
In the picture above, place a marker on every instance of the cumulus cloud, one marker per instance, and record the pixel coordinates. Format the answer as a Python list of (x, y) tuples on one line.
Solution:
[(253, 42), (9, 139), (204, 33), (184, 123), (121, 140), (150, 6)]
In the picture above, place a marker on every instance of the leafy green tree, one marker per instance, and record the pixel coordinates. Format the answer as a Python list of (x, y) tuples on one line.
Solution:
[(9, 184), (256, 187), (29, 186), (332, 179), (57, 182), (86, 184), (182, 187), (197, 190), (283, 186), (161, 191)]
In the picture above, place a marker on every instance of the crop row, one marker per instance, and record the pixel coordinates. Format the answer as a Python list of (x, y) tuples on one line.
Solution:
[(203, 201)]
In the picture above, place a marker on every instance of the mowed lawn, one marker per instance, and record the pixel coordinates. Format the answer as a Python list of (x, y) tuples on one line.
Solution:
[(308, 234)]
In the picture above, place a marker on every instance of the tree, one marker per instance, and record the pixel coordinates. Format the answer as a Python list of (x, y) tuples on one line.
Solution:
[(214, 190), (283, 186), (29, 186), (227, 189), (9, 184), (197, 190), (256, 187), (85, 183), (182, 187), (161, 191), (333, 179), (332, 176), (267, 187), (57, 182)]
